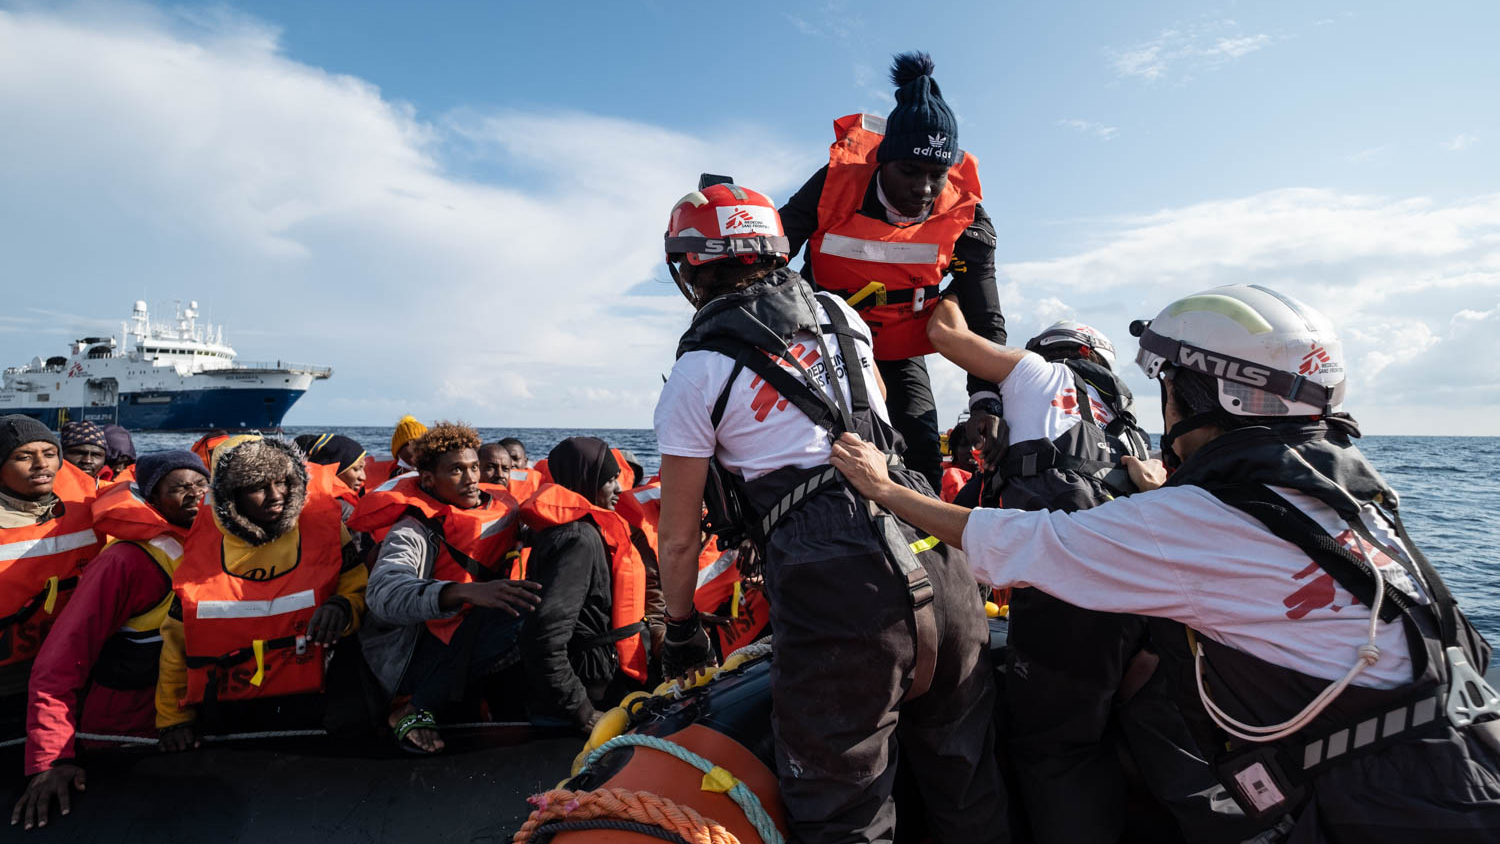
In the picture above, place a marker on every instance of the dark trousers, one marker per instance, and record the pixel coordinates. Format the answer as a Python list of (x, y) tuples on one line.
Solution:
[(913, 414), (440, 674), (844, 655), (1063, 667)]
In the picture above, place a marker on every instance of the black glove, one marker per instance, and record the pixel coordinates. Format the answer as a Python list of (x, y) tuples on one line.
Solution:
[(686, 648)]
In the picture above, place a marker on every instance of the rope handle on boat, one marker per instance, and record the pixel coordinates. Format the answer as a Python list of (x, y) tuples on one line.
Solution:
[(640, 806), (715, 779)]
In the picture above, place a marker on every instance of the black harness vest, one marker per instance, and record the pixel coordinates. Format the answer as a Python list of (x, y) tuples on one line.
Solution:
[(1081, 468), (1237, 468)]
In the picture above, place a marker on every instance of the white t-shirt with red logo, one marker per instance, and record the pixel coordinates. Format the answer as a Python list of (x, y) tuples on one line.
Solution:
[(760, 431), (1180, 553), (1041, 400)]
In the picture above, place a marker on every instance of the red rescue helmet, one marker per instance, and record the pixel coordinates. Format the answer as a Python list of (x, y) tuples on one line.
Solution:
[(725, 221)]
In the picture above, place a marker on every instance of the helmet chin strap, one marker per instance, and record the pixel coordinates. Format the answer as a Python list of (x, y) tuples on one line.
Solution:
[(1183, 426), (685, 288)]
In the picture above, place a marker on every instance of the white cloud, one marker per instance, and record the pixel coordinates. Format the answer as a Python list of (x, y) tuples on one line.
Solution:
[(1089, 127), (150, 155), (1370, 155), (1461, 141), (1414, 286), (1186, 50)]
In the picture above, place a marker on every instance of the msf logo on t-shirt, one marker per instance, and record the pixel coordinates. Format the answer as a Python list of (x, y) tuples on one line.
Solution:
[(748, 219)]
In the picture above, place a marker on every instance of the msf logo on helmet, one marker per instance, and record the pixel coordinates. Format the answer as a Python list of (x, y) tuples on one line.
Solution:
[(1227, 368), (747, 219), (1315, 361)]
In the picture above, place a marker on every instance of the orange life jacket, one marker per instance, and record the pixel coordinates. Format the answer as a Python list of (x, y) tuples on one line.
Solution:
[(954, 479), (476, 543), (523, 482), (107, 476), (205, 446), (554, 505), (337, 487), (627, 474), (889, 273), (378, 472), (40, 564), (248, 638)]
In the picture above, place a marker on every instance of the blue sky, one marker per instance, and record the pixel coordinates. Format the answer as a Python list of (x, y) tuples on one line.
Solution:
[(458, 205)]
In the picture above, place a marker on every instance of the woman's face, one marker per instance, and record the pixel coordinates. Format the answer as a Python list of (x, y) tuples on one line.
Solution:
[(354, 476), (609, 494)]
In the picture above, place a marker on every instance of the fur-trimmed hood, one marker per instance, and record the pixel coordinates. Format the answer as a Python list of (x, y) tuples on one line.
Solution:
[(248, 461)]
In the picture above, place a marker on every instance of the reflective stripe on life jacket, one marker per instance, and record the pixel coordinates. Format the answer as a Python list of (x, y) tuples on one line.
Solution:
[(248, 638), (554, 505), (475, 543), (889, 273), (40, 564), (522, 483)]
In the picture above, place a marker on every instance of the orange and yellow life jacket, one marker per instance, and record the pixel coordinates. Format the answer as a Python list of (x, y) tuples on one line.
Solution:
[(477, 543), (40, 565), (554, 505), (247, 638), (889, 273), (954, 479), (129, 657)]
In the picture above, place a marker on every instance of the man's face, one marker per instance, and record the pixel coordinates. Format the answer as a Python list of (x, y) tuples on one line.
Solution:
[(263, 504), (89, 458), (494, 465), (455, 479), (609, 494), (354, 476), (178, 496), (28, 472), (912, 186), (408, 454), (517, 456)]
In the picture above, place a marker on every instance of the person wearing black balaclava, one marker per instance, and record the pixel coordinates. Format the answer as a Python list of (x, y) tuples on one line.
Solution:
[(570, 644), (895, 211)]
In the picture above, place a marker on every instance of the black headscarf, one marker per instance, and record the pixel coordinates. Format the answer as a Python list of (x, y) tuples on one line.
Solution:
[(582, 464), (332, 449)]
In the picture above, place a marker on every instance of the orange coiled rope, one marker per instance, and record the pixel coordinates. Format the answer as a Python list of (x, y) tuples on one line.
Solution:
[(640, 806)]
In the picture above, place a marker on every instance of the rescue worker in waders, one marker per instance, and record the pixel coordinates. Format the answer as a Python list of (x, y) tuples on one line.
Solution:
[(1321, 662), (894, 212), (46, 537), (880, 637), (269, 579), (587, 645), (443, 613), (1071, 442), (96, 671)]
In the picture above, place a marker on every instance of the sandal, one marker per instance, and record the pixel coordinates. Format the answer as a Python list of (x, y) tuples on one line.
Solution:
[(418, 720)]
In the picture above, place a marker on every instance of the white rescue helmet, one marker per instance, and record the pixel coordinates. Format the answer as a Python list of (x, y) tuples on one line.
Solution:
[(1069, 333), (1271, 354)]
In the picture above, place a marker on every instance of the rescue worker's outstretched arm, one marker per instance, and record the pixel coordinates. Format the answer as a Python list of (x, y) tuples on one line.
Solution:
[(864, 466), (949, 333)]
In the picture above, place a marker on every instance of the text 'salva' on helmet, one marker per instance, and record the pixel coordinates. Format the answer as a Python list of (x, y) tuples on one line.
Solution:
[(1069, 333), (1271, 354), (721, 221)]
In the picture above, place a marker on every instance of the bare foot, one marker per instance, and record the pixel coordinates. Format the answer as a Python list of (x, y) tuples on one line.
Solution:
[(424, 738)]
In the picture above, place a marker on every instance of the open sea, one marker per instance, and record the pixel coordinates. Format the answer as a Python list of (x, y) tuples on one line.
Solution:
[(1445, 483)]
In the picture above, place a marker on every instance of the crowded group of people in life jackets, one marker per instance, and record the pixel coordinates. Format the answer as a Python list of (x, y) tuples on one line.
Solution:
[(1162, 641), (256, 583)]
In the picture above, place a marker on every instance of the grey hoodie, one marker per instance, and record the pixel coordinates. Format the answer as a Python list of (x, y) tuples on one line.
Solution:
[(401, 596)]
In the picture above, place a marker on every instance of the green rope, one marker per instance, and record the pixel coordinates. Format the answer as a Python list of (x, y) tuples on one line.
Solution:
[(741, 794)]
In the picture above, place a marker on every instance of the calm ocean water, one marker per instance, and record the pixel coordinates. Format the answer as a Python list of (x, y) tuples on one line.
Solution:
[(1444, 482)]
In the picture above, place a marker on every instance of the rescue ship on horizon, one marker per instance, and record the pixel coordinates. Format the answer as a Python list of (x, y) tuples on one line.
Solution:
[(181, 376)]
